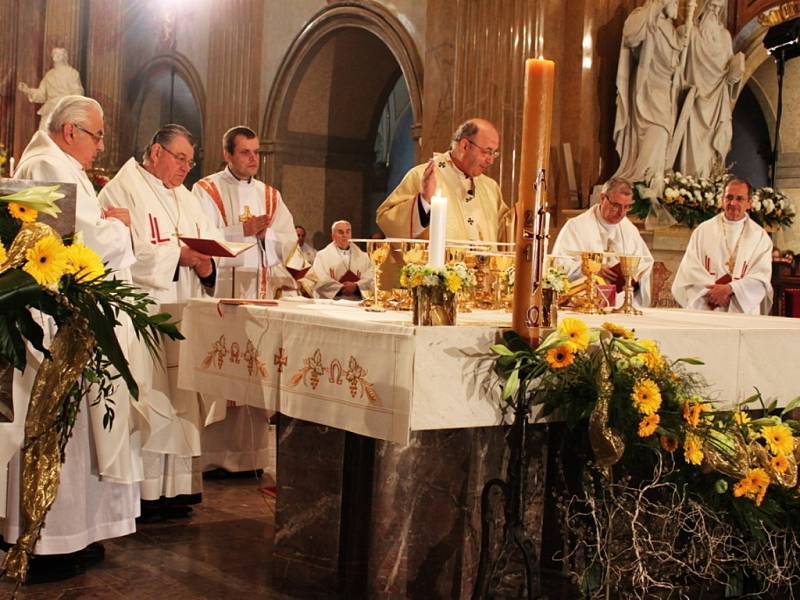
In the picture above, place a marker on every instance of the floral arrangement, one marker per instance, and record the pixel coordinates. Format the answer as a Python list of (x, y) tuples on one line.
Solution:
[(693, 200), (678, 493), (555, 278), (453, 277), (69, 282), (3, 156)]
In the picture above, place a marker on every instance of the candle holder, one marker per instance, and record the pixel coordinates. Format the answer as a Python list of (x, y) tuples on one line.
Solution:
[(629, 265), (378, 253), (591, 263)]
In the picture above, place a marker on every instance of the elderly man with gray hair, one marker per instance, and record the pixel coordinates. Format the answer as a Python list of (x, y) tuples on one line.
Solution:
[(606, 228), (341, 269), (96, 498), (475, 208)]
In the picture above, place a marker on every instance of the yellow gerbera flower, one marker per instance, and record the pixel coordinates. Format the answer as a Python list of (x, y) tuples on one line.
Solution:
[(779, 438), (741, 417), (3, 255), (652, 358), (693, 409), (779, 463), (618, 330), (84, 263), (47, 261), (23, 213), (754, 485), (453, 282), (576, 332), (560, 357), (647, 426), (646, 396), (416, 279), (692, 449)]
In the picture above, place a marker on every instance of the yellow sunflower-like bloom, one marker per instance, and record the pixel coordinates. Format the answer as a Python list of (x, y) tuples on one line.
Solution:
[(618, 330), (576, 332), (779, 438), (692, 449), (47, 261), (652, 358), (3, 255), (452, 282), (647, 426), (646, 396), (779, 463), (560, 357), (741, 417), (416, 279), (84, 263), (754, 485), (693, 409), (403, 280), (669, 444), (23, 213)]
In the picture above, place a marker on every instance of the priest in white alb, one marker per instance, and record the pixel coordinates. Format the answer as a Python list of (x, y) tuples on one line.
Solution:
[(162, 210), (475, 208), (341, 269), (728, 262), (248, 210), (97, 497), (606, 228)]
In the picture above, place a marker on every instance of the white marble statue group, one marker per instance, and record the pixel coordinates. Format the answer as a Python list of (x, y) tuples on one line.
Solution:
[(675, 90)]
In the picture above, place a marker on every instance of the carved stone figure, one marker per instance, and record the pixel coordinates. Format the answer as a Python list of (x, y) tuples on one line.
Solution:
[(648, 83), (715, 73), (61, 80)]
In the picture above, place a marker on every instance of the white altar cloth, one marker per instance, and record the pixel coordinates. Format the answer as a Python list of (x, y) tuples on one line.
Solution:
[(377, 375)]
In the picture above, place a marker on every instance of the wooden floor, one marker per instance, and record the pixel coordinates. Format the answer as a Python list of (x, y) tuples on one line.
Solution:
[(222, 551)]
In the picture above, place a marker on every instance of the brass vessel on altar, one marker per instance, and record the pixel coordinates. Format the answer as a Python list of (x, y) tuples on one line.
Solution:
[(586, 298), (378, 252), (434, 305), (629, 265)]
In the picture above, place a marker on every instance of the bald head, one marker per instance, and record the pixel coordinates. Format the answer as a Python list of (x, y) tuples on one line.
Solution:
[(475, 146)]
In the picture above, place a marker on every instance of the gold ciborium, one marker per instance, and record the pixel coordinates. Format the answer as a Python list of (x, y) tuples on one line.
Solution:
[(629, 265), (499, 264), (591, 263), (378, 251)]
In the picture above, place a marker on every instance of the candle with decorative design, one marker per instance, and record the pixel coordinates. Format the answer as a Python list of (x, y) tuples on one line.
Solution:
[(531, 206)]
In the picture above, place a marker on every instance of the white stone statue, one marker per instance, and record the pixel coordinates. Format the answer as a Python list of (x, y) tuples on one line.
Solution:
[(648, 83), (61, 80), (715, 73)]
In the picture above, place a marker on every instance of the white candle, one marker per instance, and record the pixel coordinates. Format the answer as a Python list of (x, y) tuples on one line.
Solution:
[(437, 230), (11, 167)]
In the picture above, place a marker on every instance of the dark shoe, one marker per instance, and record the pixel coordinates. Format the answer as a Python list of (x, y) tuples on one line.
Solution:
[(91, 555), (53, 567), (176, 512)]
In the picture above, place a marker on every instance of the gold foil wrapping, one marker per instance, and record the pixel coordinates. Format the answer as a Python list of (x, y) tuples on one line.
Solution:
[(28, 235), (607, 445)]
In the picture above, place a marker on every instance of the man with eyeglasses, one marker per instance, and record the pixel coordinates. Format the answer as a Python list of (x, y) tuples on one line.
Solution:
[(247, 210), (475, 207), (163, 210), (606, 228), (727, 266), (97, 496)]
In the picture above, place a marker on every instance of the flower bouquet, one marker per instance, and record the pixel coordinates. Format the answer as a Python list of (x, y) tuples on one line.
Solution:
[(434, 290)]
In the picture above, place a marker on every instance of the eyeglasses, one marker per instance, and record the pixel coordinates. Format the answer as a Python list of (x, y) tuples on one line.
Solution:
[(618, 206), (182, 160), (485, 151), (97, 137)]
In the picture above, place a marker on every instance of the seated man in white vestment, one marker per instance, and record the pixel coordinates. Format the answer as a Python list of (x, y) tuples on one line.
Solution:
[(475, 207), (728, 261), (248, 210), (162, 210), (342, 270), (97, 497), (236, 438), (606, 228), (309, 253)]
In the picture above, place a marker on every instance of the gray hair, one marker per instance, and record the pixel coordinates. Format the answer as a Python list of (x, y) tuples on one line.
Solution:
[(165, 135), (72, 109), (335, 223), (615, 183), (466, 130)]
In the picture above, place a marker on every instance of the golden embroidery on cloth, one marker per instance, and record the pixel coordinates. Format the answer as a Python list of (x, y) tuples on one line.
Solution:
[(313, 369)]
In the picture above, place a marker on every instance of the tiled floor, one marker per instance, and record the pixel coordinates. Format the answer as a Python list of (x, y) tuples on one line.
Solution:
[(223, 552)]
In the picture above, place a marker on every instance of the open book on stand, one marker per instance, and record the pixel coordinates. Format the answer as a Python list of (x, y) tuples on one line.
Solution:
[(216, 247)]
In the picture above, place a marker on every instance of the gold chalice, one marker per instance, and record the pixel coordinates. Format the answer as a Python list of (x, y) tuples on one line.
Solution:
[(378, 251), (499, 264), (591, 263), (629, 265)]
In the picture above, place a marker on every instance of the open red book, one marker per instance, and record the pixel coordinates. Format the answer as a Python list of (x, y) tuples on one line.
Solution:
[(298, 274), (349, 276), (216, 247)]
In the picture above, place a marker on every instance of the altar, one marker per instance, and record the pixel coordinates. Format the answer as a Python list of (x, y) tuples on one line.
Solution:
[(387, 432)]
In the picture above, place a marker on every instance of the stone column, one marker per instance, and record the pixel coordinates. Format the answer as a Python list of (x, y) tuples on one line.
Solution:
[(104, 71), (62, 29), (8, 79), (30, 36), (234, 56)]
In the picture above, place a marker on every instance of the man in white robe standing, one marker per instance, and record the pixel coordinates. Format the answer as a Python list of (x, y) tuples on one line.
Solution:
[(97, 497), (606, 228), (728, 262), (342, 270), (247, 210), (236, 438), (475, 208), (162, 210)]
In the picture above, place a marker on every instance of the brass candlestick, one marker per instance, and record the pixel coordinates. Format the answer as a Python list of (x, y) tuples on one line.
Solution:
[(378, 253), (629, 266)]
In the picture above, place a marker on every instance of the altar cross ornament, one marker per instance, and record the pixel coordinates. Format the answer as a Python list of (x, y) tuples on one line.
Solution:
[(281, 360), (246, 215)]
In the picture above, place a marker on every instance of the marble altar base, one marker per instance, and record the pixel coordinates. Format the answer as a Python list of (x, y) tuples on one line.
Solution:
[(364, 518)]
